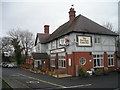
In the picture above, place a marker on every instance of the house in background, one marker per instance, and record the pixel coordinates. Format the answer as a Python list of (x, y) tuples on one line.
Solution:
[(79, 42)]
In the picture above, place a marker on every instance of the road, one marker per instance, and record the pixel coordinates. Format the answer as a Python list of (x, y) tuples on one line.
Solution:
[(19, 78)]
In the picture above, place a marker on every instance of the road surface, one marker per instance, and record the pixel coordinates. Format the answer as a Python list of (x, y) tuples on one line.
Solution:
[(19, 78)]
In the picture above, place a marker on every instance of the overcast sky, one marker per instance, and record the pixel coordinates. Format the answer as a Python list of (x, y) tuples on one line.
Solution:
[(33, 15)]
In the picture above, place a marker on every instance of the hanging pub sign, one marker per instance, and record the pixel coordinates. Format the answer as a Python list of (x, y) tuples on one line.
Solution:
[(64, 42), (85, 41)]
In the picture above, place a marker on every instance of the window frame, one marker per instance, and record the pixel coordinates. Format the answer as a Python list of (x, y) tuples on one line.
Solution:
[(98, 59), (97, 39), (82, 61), (111, 58), (53, 45), (62, 62), (52, 60)]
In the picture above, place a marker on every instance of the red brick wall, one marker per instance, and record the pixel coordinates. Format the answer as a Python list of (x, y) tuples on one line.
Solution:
[(70, 69), (28, 61), (87, 56), (75, 57)]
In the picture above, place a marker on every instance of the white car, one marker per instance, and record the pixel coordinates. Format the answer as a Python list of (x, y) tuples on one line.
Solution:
[(9, 65)]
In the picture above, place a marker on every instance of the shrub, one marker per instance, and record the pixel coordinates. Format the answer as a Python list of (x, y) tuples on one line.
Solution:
[(83, 72), (97, 72), (105, 70), (42, 70)]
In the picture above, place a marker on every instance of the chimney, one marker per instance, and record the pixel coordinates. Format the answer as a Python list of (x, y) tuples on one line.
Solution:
[(71, 14), (46, 29)]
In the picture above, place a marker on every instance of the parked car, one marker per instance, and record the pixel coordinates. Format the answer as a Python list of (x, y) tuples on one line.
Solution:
[(8, 65), (4, 64), (15, 65)]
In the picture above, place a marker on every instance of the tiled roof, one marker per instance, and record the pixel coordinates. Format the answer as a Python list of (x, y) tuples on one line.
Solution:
[(80, 24), (42, 37)]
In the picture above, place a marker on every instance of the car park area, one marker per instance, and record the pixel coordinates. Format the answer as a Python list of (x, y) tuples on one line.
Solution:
[(19, 78)]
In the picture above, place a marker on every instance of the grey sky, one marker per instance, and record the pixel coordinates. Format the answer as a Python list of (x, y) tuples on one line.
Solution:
[(35, 14)]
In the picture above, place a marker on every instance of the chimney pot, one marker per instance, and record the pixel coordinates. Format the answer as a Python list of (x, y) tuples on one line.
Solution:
[(71, 14)]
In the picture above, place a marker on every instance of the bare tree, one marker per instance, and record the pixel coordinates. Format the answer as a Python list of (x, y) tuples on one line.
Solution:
[(108, 25), (27, 42), (22, 40), (6, 44)]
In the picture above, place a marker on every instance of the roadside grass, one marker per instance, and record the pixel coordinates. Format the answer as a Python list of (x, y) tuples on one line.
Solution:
[(5, 86)]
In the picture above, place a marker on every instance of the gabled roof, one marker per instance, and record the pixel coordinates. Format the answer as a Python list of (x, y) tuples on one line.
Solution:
[(42, 37), (80, 24), (40, 56)]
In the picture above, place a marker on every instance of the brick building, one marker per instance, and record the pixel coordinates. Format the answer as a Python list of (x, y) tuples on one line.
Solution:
[(79, 42)]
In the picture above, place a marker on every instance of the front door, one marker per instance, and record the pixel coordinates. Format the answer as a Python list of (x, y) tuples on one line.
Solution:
[(39, 65)]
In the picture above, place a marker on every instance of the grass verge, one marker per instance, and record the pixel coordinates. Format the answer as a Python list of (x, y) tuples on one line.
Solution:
[(5, 86)]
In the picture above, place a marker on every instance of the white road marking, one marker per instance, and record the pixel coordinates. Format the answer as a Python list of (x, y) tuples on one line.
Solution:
[(33, 82), (79, 86), (16, 75)]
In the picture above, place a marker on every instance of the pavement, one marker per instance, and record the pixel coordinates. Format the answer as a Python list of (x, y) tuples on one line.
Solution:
[(62, 75), (18, 78)]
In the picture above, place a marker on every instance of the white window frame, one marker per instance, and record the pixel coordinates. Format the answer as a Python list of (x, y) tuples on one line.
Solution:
[(53, 44), (101, 60), (111, 60), (97, 39), (82, 61), (62, 62)]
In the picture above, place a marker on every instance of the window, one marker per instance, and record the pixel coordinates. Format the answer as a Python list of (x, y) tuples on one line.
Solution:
[(53, 45), (46, 46), (98, 60), (61, 61), (82, 61), (97, 39), (52, 61), (110, 60)]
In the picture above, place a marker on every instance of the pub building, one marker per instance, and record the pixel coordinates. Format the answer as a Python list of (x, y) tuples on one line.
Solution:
[(79, 42)]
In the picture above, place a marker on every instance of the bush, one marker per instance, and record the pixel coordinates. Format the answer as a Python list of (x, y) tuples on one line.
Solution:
[(83, 72), (97, 72), (42, 70), (105, 70)]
